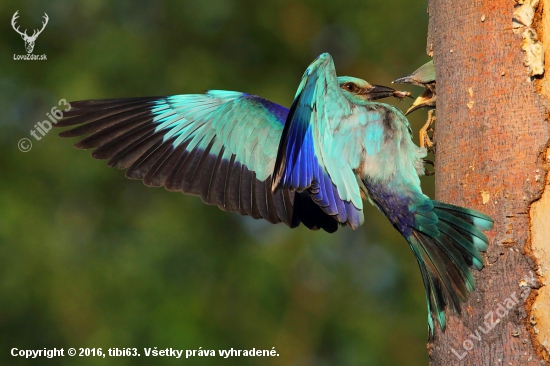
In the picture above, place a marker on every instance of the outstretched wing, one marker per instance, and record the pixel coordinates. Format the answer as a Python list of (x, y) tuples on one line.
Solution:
[(220, 146), (320, 150)]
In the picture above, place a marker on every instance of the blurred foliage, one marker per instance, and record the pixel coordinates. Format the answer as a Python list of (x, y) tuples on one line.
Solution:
[(91, 259)]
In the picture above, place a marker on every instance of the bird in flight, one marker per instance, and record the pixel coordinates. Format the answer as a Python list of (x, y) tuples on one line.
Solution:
[(313, 164)]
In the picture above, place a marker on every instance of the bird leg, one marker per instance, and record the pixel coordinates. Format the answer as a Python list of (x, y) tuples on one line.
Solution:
[(425, 140)]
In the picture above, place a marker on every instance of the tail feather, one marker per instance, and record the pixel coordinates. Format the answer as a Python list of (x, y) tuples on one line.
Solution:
[(433, 295), (440, 259), (480, 220), (463, 281), (469, 252), (468, 222), (446, 247)]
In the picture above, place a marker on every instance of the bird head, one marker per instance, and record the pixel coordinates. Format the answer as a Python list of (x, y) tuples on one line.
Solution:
[(423, 76), (426, 100), (359, 90)]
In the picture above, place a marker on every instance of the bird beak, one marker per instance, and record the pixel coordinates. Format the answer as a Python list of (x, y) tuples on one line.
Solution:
[(379, 91), (425, 100), (405, 80)]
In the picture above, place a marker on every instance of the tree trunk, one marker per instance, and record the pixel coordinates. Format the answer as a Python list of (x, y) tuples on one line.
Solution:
[(492, 136)]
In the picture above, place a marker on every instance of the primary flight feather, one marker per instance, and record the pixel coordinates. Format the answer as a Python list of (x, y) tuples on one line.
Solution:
[(310, 164)]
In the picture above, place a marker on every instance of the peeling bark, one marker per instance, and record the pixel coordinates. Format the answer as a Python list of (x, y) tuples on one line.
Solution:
[(539, 306), (540, 249), (492, 139)]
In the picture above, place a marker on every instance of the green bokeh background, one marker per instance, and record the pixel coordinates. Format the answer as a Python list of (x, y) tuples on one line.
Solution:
[(91, 259)]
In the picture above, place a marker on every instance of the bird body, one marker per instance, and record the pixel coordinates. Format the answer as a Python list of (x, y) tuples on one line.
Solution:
[(312, 164), (424, 76)]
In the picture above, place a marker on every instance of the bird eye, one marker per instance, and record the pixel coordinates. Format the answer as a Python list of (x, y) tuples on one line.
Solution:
[(349, 86)]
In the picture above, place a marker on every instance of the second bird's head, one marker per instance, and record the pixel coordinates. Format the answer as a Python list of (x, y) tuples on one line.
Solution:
[(358, 90)]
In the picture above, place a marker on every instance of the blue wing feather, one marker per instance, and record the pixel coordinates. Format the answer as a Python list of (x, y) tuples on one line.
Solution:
[(304, 161), (221, 145)]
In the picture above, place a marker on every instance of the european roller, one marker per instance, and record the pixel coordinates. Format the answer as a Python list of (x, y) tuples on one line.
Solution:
[(313, 164), (424, 76)]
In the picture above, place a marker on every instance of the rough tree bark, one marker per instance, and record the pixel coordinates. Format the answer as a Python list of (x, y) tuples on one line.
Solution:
[(492, 135)]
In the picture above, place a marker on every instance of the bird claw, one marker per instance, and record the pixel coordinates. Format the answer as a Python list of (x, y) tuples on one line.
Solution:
[(425, 140), (426, 171)]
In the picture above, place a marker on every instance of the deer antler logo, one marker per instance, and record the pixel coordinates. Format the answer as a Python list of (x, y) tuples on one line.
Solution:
[(29, 40)]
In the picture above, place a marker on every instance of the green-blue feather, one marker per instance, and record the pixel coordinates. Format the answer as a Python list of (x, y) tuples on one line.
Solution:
[(310, 154)]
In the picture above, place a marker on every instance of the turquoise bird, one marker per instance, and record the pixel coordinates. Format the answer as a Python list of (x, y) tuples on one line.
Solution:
[(313, 164)]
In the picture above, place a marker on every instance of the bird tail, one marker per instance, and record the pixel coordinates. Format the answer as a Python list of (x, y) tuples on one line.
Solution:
[(447, 241)]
